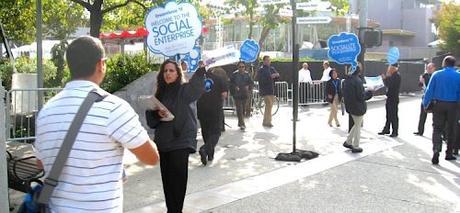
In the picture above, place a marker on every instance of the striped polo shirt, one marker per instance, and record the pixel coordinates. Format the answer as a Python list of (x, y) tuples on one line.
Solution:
[(91, 180)]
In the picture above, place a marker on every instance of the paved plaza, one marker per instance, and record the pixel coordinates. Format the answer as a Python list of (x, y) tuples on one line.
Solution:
[(390, 175)]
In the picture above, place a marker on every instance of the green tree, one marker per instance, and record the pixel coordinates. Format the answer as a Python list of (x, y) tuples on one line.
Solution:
[(448, 21), (18, 19)]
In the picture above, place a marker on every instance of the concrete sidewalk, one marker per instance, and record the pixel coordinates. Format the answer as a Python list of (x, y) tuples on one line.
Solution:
[(389, 176)]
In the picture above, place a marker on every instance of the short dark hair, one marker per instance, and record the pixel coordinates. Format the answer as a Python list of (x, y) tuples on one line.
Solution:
[(265, 57), (82, 56), (240, 62), (332, 71), (449, 61)]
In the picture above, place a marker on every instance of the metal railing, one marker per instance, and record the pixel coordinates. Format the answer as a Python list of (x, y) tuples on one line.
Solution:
[(21, 111), (314, 92)]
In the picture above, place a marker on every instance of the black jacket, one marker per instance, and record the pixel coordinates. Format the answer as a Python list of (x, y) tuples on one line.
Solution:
[(393, 83), (354, 95), (241, 81), (179, 133), (210, 104), (266, 82), (330, 90)]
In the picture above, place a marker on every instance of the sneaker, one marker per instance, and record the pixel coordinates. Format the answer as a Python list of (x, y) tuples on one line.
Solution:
[(356, 149), (204, 160), (384, 132), (338, 125), (450, 157), (329, 124), (346, 145), (268, 125), (435, 159)]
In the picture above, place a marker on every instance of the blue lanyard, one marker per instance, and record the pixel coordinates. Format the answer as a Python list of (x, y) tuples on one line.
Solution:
[(336, 85)]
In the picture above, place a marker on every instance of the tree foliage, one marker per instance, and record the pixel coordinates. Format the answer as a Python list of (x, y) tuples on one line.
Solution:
[(448, 21), (18, 19)]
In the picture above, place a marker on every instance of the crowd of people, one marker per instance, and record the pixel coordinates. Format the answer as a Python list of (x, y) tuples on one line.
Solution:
[(95, 169)]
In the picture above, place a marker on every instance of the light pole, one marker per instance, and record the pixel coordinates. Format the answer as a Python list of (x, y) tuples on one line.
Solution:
[(38, 37)]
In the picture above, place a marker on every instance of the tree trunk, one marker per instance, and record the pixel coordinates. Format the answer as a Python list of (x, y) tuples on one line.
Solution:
[(251, 25), (263, 36), (95, 20)]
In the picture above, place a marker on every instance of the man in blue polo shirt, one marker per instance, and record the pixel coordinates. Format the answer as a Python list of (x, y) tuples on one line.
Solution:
[(443, 91)]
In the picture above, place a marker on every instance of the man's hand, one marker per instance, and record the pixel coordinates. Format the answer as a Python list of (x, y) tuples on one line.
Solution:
[(162, 113)]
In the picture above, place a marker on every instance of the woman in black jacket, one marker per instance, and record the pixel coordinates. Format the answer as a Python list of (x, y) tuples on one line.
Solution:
[(175, 139), (334, 96)]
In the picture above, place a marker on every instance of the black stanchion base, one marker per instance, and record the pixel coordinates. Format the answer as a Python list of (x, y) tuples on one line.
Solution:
[(297, 156)]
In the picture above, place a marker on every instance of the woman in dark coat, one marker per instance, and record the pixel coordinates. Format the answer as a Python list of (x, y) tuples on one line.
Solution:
[(175, 139), (334, 96)]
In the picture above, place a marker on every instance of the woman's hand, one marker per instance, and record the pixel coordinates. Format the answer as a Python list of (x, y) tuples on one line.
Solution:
[(162, 113)]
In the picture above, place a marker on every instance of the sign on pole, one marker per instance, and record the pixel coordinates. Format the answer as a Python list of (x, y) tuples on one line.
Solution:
[(173, 29), (313, 6), (268, 2), (249, 50), (393, 55), (314, 20), (344, 49)]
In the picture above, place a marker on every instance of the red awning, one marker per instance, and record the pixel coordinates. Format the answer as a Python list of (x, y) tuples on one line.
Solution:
[(128, 34)]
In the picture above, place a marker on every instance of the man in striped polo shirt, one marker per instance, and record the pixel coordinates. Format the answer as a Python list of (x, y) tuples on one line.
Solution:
[(91, 180)]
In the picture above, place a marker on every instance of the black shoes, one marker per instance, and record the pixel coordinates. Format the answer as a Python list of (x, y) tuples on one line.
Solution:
[(455, 152), (353, 149), (384, 132), (418, 133), (204, 160), (435, 159), (356, 150), (242, 127), (394, 135), (268, 125), (450, 157), (346, 145)]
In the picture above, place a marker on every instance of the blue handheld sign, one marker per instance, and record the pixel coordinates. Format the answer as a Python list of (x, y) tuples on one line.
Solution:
[(344, 49), (192, 58), (208, 83), (249, 50), (393, 55)]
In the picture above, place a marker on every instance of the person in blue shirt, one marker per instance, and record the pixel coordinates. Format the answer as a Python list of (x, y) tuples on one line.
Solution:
[(443, 94), (266, 77)]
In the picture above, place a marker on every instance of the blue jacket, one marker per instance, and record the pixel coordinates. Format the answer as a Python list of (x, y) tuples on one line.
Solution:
[(444, 85), (266, 82)]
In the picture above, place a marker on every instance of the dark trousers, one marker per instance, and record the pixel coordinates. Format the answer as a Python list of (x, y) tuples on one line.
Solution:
[(211, 131), (174, 174), (444, 118), (457, 141), (240, 110), (422, 120), (392, 121)]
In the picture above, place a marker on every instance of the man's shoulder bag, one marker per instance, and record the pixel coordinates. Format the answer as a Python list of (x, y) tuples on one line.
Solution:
[(36, 201)]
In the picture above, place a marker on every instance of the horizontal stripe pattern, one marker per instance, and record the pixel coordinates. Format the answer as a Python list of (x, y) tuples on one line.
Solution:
[(91, 178)]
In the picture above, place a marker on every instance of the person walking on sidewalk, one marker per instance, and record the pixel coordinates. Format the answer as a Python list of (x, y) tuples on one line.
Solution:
[(392, 81), (240, 85), (175, 139), (334, 96), (423, 82), (266, 77), (355, 104), (92, 177), (443, 93), (210, 106)]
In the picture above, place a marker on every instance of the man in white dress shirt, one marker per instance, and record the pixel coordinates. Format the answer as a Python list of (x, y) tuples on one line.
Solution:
[(304, 74), (326, 71)]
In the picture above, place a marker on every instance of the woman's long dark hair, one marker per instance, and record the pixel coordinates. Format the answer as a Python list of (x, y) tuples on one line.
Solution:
[(161, 83)]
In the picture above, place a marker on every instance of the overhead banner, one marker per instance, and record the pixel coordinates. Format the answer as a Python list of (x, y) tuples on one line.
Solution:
[(249, 50), (222, 56), (173, 28), (344, 49)]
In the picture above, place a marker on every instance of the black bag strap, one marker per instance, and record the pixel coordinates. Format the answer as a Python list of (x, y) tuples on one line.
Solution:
[(52, 179)]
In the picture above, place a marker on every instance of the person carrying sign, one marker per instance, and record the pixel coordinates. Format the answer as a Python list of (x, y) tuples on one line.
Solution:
[(266, 77), (392, 81)]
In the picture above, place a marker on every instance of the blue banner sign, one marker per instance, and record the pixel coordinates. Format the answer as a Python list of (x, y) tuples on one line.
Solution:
[(344, 49), (192, 58), (393, 55), (173, 28), (249, 50)]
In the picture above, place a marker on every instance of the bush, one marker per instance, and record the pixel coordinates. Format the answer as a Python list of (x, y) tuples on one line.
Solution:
[(124, 69), (28, 65)]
